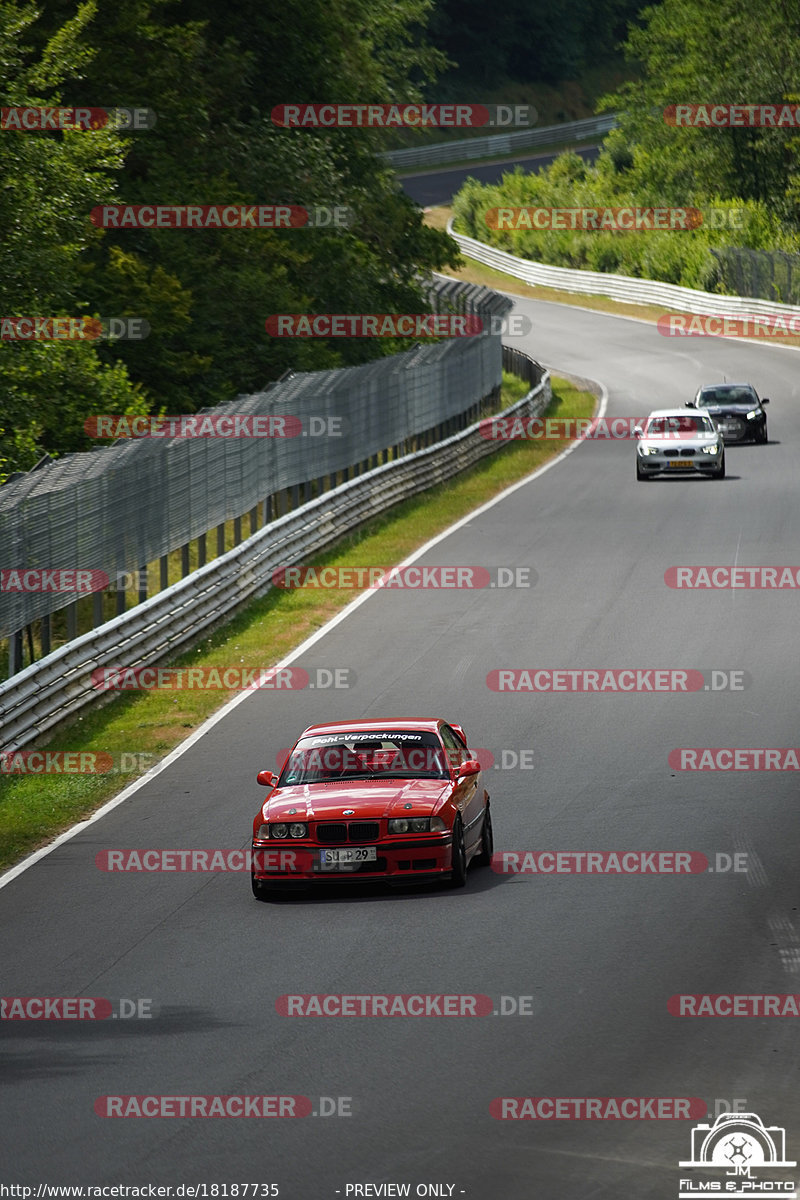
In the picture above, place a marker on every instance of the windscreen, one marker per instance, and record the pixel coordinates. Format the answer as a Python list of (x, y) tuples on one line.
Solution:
[(393, 754), (727, 395), (678, 427)]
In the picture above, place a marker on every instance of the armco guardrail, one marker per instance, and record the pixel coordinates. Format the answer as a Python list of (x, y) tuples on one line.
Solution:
[(467, 149), (118, 509), (618, 287), (55, 687)]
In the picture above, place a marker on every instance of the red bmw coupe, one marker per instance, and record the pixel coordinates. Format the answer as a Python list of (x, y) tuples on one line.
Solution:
[(397, 801)]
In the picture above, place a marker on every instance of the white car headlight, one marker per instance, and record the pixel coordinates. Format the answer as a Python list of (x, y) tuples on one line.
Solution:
[(648, 449), (712, 449), (416, 825)]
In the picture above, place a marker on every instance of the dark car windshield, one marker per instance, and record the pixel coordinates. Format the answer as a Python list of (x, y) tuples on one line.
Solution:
[(726, 395), (402, 754)]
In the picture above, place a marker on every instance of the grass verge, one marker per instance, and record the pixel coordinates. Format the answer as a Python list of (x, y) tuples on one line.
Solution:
[(144, 726)]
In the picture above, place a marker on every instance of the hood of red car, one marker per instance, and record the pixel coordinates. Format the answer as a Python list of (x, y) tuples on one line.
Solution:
[(371, 798)]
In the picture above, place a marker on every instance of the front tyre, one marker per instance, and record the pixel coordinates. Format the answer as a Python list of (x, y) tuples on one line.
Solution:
[(484, 856), (458, 871), (721, 472)]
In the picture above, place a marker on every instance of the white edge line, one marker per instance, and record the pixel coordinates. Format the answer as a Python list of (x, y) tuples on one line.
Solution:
[(221, 713)]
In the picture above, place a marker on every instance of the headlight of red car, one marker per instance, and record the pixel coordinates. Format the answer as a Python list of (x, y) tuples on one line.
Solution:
[(281, 830), (416, 825)]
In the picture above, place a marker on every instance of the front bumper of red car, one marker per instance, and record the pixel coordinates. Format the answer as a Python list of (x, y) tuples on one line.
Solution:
[(397, 860)]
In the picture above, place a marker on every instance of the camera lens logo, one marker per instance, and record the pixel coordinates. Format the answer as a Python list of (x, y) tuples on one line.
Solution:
[(736, 1145)]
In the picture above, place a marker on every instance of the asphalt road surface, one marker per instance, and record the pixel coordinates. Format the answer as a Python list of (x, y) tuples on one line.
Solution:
[(598, 955), (439, 186)]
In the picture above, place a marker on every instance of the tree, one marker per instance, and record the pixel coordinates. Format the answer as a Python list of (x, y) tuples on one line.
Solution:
[(48, 184), (699, 52), (213, 77), (544, 42)]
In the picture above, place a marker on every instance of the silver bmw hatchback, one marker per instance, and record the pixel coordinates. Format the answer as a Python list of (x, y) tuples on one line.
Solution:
[(674, 442)]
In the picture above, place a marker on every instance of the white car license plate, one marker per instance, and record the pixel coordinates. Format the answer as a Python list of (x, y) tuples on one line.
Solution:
[(681, 464), (347, 854)]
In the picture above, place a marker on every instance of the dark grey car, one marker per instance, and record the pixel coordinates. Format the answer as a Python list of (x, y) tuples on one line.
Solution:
[(735, 409)]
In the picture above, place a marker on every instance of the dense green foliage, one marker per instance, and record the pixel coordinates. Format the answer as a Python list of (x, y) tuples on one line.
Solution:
[(746, 181), (546, 41), (698, 52), (212, 76), (49, 183), (674, 256)]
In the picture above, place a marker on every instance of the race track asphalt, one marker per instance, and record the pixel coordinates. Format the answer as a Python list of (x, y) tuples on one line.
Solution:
[(440, 185), (599, 954)]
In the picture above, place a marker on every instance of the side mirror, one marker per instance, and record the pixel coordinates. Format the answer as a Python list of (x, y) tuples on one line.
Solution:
[(765, 400), (637, 431), (265, 778), (470, 767), (690, 404)]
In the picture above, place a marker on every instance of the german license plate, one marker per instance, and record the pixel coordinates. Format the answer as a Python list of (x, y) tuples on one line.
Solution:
[(682, 464), (344, 855)]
